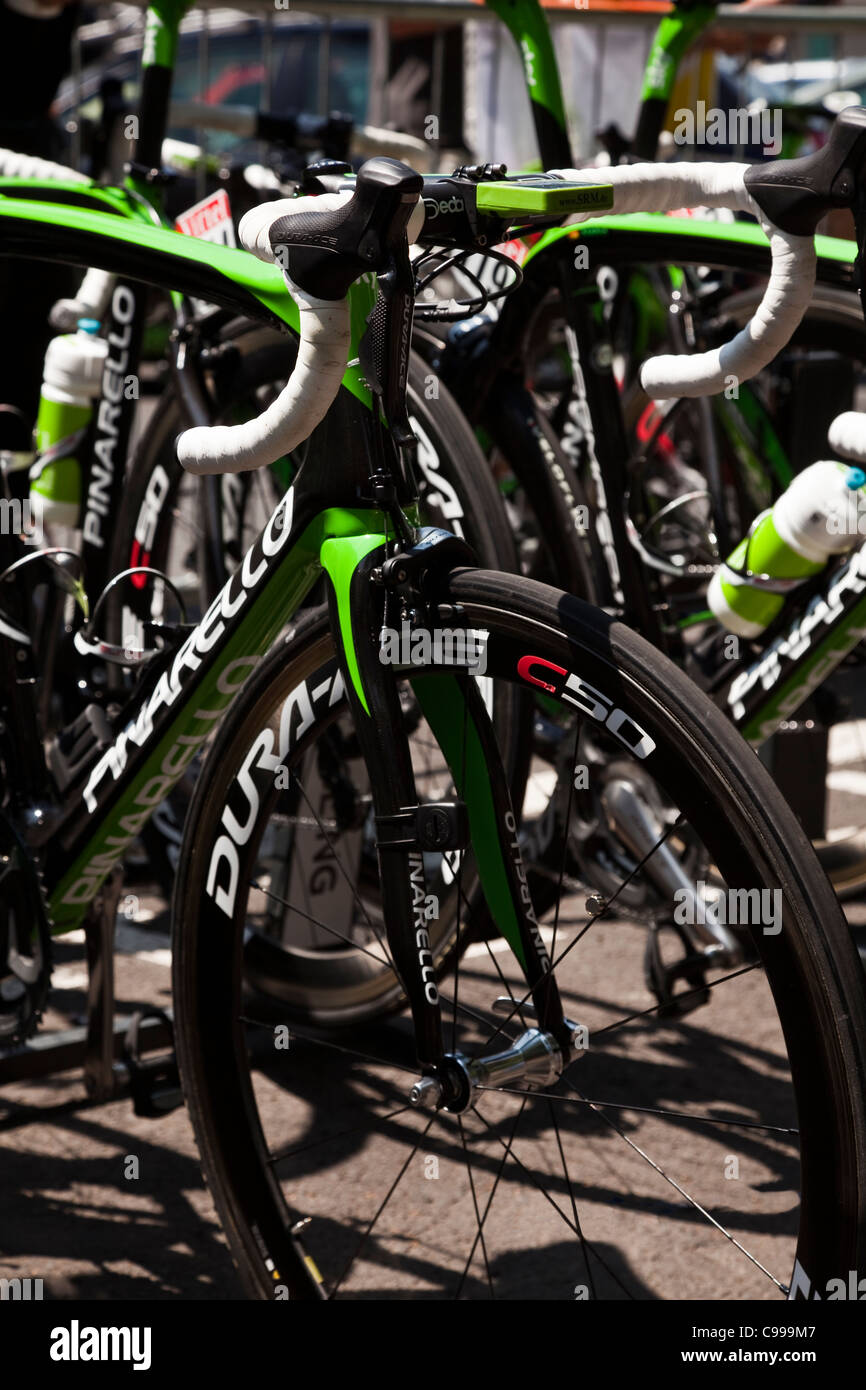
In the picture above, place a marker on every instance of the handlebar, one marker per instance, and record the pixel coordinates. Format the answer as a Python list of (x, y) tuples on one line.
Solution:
[(666, 187), (25, 166), (300, 129), (323, 245), (326, 243)]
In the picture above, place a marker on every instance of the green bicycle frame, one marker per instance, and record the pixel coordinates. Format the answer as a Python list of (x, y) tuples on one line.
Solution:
[(673, 38), (158, 55), (528, 24)]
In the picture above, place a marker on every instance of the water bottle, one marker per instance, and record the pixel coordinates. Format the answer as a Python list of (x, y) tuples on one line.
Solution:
[(72, 379), (816, 517)]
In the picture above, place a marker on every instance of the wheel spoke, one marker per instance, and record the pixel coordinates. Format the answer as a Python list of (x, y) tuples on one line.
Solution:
[(595, 917), (547, 1197), (340, 865), (571, 1196), (692, 1201), (280, 1155), (336, 1047), (643, 1109), (654, 1008), (382, 1205), (478, 1219), (479, 1233), (292, 907)]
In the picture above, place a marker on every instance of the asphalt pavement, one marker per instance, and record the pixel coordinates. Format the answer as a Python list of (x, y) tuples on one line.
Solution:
[(101, 1204)]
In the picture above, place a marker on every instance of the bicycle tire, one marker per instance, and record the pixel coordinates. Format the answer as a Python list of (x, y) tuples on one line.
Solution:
[(811, 975)]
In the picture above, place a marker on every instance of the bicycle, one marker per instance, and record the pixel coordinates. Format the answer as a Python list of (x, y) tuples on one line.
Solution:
[(328, 704), (560, 471), (626, 692), (351, 520)]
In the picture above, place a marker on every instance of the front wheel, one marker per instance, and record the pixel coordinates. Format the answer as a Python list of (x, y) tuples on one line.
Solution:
[(712, 1154)]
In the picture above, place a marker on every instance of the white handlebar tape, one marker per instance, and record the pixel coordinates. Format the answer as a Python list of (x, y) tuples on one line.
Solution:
[(14, 165), (254, 228), (666, 187), (323, 351), (847, 435)]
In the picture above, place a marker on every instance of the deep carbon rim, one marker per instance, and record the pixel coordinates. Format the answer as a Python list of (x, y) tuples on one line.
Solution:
[(243, 1178)]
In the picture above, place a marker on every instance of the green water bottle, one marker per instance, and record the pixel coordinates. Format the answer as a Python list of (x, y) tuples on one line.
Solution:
[(821, 513), (71, 381)]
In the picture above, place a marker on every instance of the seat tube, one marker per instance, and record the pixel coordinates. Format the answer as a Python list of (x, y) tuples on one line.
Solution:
[(598, 414)]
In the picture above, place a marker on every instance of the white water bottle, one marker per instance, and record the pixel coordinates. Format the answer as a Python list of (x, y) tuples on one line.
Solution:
[(820, 514), (72, 380)]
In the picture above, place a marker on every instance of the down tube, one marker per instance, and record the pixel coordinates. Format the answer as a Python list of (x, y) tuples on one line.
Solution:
[(813, 642), (181, 703)]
